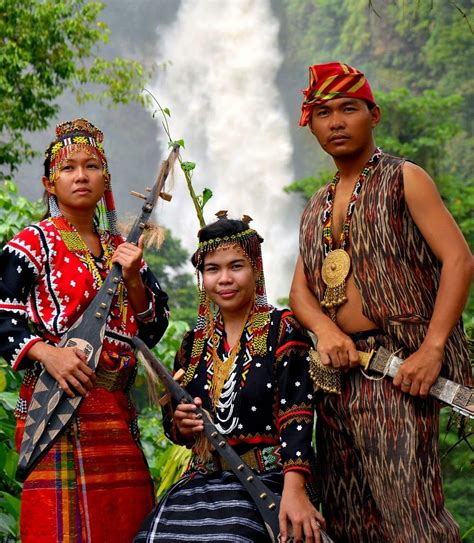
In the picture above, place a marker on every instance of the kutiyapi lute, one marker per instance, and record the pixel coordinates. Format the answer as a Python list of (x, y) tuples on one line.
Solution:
[(51, 410)]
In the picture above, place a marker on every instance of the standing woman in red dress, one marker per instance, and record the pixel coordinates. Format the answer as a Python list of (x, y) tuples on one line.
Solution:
[(93, 485)]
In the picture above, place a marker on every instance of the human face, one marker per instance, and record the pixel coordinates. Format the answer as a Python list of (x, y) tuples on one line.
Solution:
[(344, 126), (80, 183), (229, 280)]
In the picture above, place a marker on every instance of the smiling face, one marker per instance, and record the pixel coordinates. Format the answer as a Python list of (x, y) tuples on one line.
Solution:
[(344, 126), (80, 183), (229, 280)]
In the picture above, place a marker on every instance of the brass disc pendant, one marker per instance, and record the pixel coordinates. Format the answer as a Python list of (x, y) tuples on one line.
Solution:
[(336, 268)]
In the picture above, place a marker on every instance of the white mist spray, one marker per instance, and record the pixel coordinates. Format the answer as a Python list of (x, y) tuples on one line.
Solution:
[(220, 87)]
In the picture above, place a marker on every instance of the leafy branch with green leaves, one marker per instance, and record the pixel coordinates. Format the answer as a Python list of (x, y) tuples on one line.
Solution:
[(199, 200), (48, 47)]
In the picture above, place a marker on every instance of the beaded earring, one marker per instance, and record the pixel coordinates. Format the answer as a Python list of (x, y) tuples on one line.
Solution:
[(54, 210)]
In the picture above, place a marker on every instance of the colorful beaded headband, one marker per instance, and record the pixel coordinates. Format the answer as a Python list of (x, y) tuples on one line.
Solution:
[(249, 240), (71, 137), (246, 234), (81, 135)]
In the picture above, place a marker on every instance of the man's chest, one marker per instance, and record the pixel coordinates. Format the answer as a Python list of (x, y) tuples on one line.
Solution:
[(340, 213)]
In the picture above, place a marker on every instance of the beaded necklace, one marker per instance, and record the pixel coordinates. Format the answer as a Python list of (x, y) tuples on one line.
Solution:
[(337, 262), (97, 267), (223, 368), (76, 245)]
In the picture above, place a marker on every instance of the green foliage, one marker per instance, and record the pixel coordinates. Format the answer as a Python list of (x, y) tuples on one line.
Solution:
[(11, 489), (16, 212), (168, 264), (456, 462), (418, 127), (166, 461), (199, 200), (420, 45), (188, 166), (49, 46), (172, 465), (158, 450), (309, 185)]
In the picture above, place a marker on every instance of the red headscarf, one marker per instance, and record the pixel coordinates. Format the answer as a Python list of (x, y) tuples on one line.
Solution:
[(333, 80)]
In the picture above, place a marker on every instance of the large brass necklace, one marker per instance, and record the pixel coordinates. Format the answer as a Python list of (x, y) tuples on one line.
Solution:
[(335, 269), (337, 262)]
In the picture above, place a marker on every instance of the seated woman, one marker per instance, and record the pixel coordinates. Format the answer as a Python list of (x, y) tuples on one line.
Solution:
[(247, 365)]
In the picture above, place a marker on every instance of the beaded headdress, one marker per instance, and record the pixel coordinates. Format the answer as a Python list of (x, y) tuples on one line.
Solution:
[(249, 242), (333, 80), (81, 135)]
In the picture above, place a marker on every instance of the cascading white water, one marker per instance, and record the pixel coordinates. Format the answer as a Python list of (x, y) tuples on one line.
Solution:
[(220, 86)]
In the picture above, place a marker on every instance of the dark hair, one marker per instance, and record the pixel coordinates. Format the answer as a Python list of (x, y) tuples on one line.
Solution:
[(47, 163), (220, 229)]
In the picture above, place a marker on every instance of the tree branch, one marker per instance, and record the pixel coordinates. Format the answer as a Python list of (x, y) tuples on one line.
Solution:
[(463, 14), (453, 2)]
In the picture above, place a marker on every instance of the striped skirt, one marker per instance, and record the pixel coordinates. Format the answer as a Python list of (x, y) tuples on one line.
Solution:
[(212, 507)]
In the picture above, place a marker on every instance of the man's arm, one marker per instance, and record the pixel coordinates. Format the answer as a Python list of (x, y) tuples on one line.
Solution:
[(334, 346), (449, 246)]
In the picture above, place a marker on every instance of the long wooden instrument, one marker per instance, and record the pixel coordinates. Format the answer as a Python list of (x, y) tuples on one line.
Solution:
[(267, 502), (51, 410)]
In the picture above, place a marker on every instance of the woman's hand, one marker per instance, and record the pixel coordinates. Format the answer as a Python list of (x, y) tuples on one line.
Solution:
[(129, 256), (188, 423), (68, 365), (298, 516)]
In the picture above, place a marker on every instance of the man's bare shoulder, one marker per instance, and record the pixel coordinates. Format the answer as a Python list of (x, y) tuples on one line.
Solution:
[(413, 171), (418, 184)]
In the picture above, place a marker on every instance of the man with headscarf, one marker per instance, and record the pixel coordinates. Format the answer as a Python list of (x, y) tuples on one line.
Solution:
[(382, 263)]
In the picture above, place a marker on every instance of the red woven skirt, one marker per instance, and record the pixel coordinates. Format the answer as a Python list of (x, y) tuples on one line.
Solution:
[(93, 485)]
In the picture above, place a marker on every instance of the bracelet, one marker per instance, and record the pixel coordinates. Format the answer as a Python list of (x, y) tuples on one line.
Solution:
[(147, 313)]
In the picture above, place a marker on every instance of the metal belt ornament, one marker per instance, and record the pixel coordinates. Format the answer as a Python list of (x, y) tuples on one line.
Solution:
[(51, 410), (266, 501), (382, 361)]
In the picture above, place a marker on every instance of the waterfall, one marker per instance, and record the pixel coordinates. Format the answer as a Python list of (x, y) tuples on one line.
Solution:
[(220, 86)]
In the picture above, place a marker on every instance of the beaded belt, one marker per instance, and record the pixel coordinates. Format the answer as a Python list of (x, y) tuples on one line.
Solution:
[(112, 380), (261, 460), (328, 378)]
